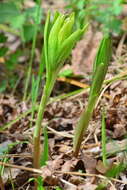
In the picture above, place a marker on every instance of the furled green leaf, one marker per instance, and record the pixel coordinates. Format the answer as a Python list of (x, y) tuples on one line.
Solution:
[(56, 15), (53, 40), (100, 66), (46, 33), (103, 54), (66, 29), (69, 43), (97, 81), (59, 41)]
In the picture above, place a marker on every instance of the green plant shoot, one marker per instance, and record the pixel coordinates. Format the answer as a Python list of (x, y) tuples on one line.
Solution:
[(59, 39), (103, 140), (100, 68)]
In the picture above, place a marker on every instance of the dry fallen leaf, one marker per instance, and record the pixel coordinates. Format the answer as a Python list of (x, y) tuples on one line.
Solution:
[(87, 186), (89, 162), (84, 53), (101, 168), (48, 176)]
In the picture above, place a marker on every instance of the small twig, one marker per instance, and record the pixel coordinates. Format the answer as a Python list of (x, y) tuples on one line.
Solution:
[(16, 155), (63, 134), (21, 167), (120, 76), (120, 45), (73, 82), (87, 138), (102, 93), (91, 175), (93, 145), (39, 171)]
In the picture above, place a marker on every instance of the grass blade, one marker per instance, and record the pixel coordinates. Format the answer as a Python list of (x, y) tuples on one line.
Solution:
[(103, 139)]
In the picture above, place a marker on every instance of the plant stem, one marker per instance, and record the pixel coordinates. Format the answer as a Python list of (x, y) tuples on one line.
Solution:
[(84, 121), (37, 132), (45, 97)]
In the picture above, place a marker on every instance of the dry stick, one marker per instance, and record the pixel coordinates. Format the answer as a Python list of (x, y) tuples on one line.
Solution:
[(120, 45), (39, 171), (72, 81), (63, 134), (91, 175), (101, 94), (21, 168), (16, 156)]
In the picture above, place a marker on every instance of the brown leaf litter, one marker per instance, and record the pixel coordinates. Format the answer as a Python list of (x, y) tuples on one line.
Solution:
[(62, 169)]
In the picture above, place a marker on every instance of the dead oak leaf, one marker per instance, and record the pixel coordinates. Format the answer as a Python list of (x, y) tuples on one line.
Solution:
[(48, 176)]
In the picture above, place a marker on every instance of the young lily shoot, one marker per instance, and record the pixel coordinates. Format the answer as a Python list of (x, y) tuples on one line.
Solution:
[(59, 39), (100, 68)]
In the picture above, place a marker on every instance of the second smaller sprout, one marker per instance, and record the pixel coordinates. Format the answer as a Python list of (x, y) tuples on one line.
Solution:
[(100, 68)]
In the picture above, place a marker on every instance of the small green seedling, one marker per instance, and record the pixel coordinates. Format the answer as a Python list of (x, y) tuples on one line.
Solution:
[(59, 39), (100, 68), (115, 171), (38, 181)]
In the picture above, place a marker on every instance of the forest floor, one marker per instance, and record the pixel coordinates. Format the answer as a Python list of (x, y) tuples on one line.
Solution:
[(87, 171)]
